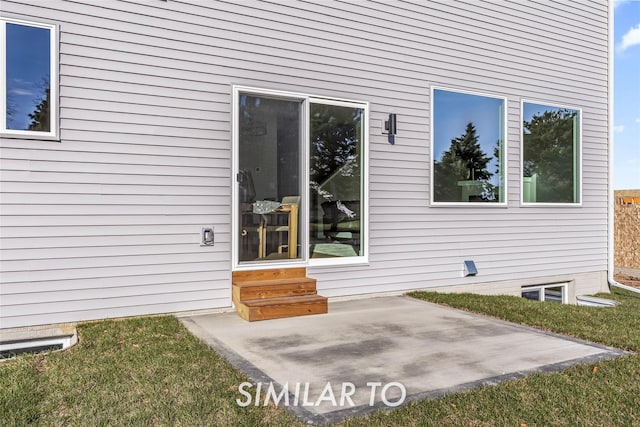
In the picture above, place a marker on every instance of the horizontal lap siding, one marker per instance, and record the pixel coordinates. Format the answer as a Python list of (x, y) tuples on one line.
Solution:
[(544, 51), (106, 222)]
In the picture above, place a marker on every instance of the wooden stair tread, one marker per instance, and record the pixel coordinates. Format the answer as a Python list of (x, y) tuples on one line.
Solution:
[(283, 273), (254, 289), (274, 282), (290, 300)]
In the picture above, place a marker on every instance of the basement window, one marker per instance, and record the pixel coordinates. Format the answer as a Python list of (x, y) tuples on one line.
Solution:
[(550, 293)]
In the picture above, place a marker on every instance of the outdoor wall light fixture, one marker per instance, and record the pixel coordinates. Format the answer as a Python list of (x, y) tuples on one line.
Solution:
[(390, 128), (470, 268)]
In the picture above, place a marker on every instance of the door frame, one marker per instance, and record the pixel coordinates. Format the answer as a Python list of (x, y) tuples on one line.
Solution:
[(303, 230)]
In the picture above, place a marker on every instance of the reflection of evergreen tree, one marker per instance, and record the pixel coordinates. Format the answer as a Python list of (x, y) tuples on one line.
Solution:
[(548, 152), (11, 109), (40, 118), (463, 161)]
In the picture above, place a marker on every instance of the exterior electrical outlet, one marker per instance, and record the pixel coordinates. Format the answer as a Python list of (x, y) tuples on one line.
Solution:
[(207, 237)]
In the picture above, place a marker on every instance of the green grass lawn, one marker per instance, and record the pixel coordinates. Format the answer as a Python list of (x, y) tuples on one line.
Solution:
[(151, 371)]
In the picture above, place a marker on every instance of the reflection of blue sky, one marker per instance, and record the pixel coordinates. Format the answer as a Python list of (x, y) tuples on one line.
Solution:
[(452, 112), (28, 62)]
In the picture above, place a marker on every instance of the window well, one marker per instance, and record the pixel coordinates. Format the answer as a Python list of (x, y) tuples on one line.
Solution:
[(15, 341)]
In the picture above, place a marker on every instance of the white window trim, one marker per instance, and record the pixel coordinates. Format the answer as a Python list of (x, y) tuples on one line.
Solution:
[(580, 150), (502, 204), (306, 99), (53, 133)]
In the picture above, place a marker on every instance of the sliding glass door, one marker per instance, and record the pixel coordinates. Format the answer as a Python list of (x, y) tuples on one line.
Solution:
[(300, 179)]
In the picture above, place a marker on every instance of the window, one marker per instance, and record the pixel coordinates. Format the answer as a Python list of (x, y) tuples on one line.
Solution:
[(29, 80), (550, 154), (550, 293), (468, 148)]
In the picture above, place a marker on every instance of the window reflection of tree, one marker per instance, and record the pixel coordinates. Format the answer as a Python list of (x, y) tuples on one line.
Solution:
[(11, 109), (335, 178), (549, 154), (40, 117), (464, 161), (334, 146)]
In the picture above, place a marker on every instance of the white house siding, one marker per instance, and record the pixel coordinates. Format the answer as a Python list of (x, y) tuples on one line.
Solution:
[(106, 222)]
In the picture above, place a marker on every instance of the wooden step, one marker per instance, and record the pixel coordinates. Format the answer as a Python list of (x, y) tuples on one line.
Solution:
[(274, 288), (276, 293), (275, 308), (272, 274)]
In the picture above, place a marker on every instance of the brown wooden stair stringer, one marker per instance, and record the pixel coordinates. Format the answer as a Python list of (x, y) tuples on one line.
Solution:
[(276, 293)]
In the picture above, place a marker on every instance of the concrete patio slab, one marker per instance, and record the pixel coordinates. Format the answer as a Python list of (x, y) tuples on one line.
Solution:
[(380, 352)]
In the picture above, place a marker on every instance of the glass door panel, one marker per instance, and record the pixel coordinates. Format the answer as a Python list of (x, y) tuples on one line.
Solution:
[(269, 178), (336, 187)]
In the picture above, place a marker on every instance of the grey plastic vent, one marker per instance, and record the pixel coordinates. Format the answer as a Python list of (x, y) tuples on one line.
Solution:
[(470, 268)]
